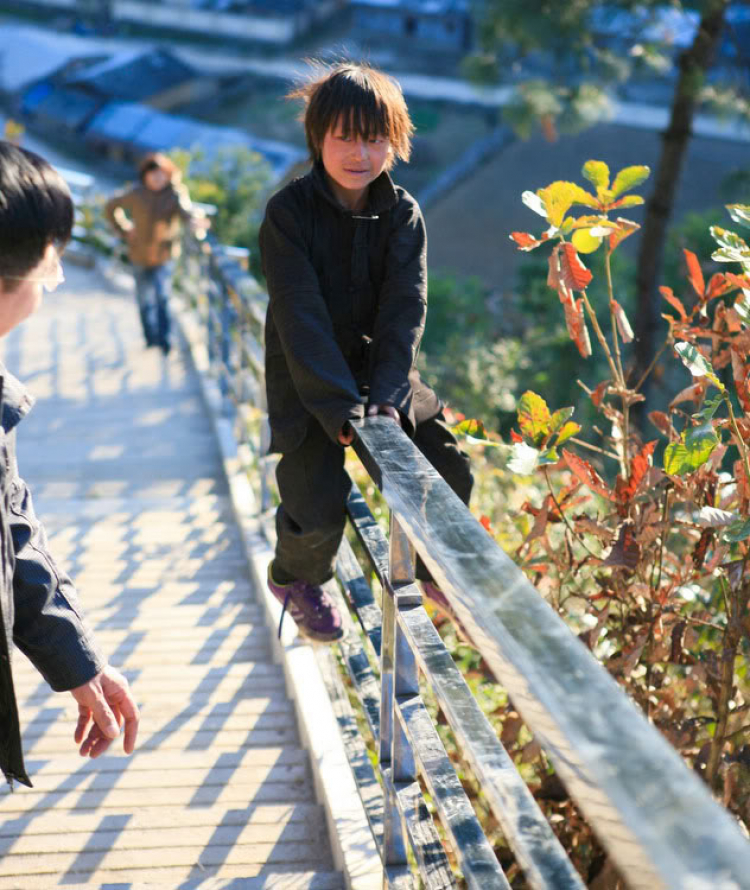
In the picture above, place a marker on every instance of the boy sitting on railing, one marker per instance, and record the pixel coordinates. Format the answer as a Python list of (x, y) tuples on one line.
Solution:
[(344, 253)]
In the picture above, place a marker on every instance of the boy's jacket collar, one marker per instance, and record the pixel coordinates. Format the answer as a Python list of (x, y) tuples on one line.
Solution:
[(381, 197)]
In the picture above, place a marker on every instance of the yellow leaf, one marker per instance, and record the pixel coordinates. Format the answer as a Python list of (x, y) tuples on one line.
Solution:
[(560, 196), (585, 242)]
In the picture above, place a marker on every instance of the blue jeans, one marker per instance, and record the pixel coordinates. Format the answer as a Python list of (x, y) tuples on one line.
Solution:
[(153, 285)]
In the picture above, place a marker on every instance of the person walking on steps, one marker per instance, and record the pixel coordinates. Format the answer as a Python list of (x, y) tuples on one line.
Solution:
[(39, 609), (344, 252), (148, 218)]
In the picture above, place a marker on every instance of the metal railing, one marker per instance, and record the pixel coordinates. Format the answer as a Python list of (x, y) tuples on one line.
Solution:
[(655, 818)]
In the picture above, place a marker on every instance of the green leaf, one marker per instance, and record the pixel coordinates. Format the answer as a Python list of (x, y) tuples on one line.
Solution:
[(740, 213), (629, 178), (710, 406), (597, 172), (559, 418), (697, 363), (524, 459), (568, 430), (733, 248), (534, 202), (474, 433), (534, 417), (737, 531), (550, 456), (691, 452)]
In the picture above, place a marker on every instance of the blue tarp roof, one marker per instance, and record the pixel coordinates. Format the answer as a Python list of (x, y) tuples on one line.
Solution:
[(147, 129), (119, 121), (70, 108)]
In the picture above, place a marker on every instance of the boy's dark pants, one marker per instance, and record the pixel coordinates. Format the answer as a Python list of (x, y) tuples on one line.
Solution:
[(314, 487)]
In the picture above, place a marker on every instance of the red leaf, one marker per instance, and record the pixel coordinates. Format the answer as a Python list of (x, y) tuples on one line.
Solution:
[(743, 484), (485, 521), (526, 241), (575, 275), (742, 281), (673, 301), (625, 230), (625, 553), (639, 466), (576, 322), (598, 394), (719, 285), (695, 273), (741, 376), (587, 474), (515, 437), (699, 553), (662, 422)]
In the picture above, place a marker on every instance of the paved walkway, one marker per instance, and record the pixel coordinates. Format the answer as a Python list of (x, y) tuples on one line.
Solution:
[(127, 478)]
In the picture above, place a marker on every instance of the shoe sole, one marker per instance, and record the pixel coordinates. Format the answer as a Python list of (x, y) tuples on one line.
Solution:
[(320, 639)]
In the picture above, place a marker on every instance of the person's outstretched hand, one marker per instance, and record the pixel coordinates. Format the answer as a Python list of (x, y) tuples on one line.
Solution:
[(104, 702), (388, 410)]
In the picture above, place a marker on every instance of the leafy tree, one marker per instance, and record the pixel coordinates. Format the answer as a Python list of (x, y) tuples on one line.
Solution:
[(560, 40)]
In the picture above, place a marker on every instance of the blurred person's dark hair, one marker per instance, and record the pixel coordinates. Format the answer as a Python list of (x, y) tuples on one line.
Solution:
[(36, 210), (158, 161), (364, 101)]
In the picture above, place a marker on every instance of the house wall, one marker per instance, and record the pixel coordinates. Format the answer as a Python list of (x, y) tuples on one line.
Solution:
[(183, 94), (218, 24), (449, 32), (171, 16)]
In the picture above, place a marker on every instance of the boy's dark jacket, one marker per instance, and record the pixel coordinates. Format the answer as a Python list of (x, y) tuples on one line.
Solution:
[(347, 306), (38, 603)]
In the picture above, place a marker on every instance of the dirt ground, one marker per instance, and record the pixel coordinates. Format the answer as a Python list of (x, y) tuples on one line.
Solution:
[(469, 228)]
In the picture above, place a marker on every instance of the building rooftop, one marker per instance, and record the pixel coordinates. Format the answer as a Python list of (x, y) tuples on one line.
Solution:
[(134, 76)]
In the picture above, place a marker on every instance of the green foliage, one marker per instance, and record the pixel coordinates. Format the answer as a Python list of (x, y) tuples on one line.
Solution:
[(648, 561), (235, 180)]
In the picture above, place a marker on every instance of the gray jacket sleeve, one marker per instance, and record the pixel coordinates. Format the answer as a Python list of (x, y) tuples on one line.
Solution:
[(48, 628), (320, 373), (402, 311)]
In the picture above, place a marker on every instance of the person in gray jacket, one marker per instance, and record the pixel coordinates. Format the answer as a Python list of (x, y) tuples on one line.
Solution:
[(39, 609)]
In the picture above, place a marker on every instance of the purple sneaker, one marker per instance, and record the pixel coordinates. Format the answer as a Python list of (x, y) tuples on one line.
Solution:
[(312, 609), (439, 601)]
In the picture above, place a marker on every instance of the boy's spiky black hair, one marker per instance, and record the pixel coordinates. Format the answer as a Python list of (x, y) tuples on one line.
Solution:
[(364, 101)]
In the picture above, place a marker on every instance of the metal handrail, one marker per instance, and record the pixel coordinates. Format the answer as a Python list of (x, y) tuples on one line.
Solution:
[(654, 816)]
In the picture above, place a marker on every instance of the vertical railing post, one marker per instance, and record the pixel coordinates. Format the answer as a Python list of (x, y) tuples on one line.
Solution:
[(398, 676)]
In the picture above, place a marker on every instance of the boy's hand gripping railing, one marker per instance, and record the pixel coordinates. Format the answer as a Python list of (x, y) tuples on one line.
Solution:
[(653, 815)]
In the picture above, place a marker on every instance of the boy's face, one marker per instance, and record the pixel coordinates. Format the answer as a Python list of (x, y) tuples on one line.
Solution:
[(352, 163), (20, 301)]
